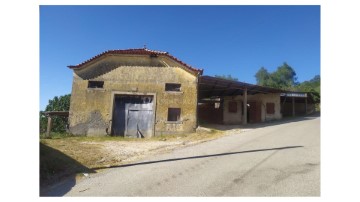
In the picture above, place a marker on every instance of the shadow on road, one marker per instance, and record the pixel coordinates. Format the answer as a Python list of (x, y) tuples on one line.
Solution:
[(264, 124), (65, 186), (199, 157), (58, 171)]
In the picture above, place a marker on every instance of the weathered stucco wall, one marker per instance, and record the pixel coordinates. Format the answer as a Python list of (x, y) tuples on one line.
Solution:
[(236, 118), (91, 109), (232, 117)]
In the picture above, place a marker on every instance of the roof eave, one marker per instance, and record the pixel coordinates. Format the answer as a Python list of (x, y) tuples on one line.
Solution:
[(190, 69)]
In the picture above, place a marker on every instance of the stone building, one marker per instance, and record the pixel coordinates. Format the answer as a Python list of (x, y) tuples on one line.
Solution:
[(133, 93), (145, 93)]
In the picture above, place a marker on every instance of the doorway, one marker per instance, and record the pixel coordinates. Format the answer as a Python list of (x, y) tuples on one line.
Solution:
[(133, 116), (254, 112)]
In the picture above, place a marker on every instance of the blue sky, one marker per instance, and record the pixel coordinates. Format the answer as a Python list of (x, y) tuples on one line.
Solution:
[(235, 40)]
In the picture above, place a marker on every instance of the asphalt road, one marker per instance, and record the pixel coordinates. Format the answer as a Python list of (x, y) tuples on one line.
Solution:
[(277, 160)]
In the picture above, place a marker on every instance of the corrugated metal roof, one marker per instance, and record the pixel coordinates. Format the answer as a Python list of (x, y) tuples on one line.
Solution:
[(212, 86)]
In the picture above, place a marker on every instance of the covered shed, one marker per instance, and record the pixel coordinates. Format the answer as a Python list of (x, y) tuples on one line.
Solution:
[(225, 101), (297, 103)]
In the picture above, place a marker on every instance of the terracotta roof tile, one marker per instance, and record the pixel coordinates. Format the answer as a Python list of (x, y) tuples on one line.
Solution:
[(140, 51)]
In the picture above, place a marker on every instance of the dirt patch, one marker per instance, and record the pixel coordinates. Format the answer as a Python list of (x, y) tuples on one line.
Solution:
[(98, 152), (116, 153)]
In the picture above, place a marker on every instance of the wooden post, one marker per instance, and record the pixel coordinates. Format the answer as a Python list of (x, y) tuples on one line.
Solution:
[(293, 106), (306, 104), (244, 121), (48, 128)]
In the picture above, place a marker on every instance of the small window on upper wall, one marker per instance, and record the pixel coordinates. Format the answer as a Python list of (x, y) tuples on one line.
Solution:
[(270, 108), (232, 107), (95, 84), (174, 114), (175, 87)]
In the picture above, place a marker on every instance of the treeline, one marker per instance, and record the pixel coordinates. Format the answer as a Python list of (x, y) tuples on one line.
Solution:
[(285, 78)]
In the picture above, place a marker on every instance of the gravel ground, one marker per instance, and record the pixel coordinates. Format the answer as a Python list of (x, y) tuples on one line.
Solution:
[(97, 153), (115, 152)]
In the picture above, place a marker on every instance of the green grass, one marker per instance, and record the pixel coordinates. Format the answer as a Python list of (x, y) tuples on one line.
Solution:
[(163, 137), (55, 135), (86, 138)]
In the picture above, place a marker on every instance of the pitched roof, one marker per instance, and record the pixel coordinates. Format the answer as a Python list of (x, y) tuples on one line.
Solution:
[(140, 51)]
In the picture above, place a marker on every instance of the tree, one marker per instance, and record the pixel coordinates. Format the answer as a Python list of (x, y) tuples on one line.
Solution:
[(312, 86), (228, 77), (283, 78), (59, 124), (262, 76)]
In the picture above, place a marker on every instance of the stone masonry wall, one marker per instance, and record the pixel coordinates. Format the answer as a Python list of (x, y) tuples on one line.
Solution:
[(91, 109)]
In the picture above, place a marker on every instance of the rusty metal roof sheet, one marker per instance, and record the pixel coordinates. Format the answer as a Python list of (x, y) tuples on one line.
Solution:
[(212, 86)]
